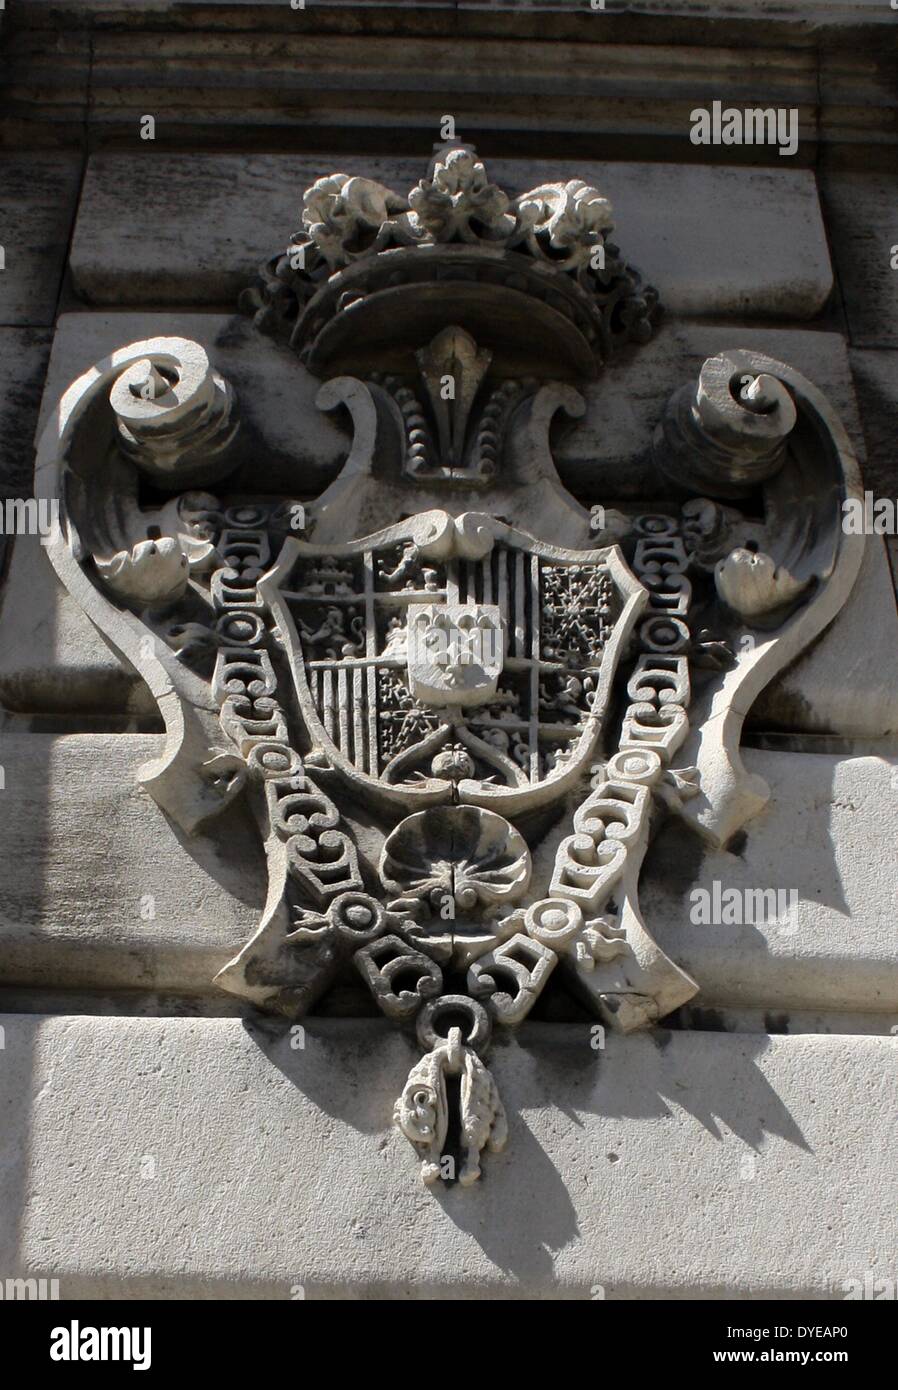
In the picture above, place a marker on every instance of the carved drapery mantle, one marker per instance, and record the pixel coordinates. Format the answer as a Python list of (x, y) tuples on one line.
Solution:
[(444, 646)]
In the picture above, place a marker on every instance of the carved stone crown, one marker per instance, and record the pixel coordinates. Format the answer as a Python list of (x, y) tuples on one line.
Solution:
[(370, 266)]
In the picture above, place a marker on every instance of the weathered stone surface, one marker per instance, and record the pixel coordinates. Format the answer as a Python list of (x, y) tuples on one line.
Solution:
[(857, 99), (826, 59), (718, 1155), (51, 658), (807, 21), (860, 212), (325, 83), (695, 256), (37, 205), (231, 14), (46, 75), (131, 903), (24, 353), (103, 847), (845, 683), (876, 383), (235, 211), (827, 834)]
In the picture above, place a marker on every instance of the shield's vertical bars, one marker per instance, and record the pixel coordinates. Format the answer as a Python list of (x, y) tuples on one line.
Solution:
[(371, 653), (486, 569), (329, 713), (358, 728), (502, 579), (534, 668), (343, 710), (519, 594)]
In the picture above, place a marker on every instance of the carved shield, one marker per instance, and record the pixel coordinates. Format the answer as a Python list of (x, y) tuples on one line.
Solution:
[(436, 674), (456, 652)]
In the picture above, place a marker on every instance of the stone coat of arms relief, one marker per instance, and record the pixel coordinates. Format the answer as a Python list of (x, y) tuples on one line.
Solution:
[(458, 699)]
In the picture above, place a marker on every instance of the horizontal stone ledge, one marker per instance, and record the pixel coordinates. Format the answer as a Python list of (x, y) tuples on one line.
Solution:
[(301, 60), (738, 1166), (722, 1018), (46, 75), (192, 229), (800, 22), (530, 127), (102, 892), (710, 1018)]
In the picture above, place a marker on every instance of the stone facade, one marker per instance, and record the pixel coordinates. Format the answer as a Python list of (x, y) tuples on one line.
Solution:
[(450, 728)]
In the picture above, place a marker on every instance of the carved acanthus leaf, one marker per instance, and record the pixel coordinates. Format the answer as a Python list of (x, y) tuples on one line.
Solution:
[(753, 585), (152, 572)]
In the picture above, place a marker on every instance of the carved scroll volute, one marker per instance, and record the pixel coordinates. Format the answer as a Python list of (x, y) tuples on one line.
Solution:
[(156, 406), (751, 423)]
